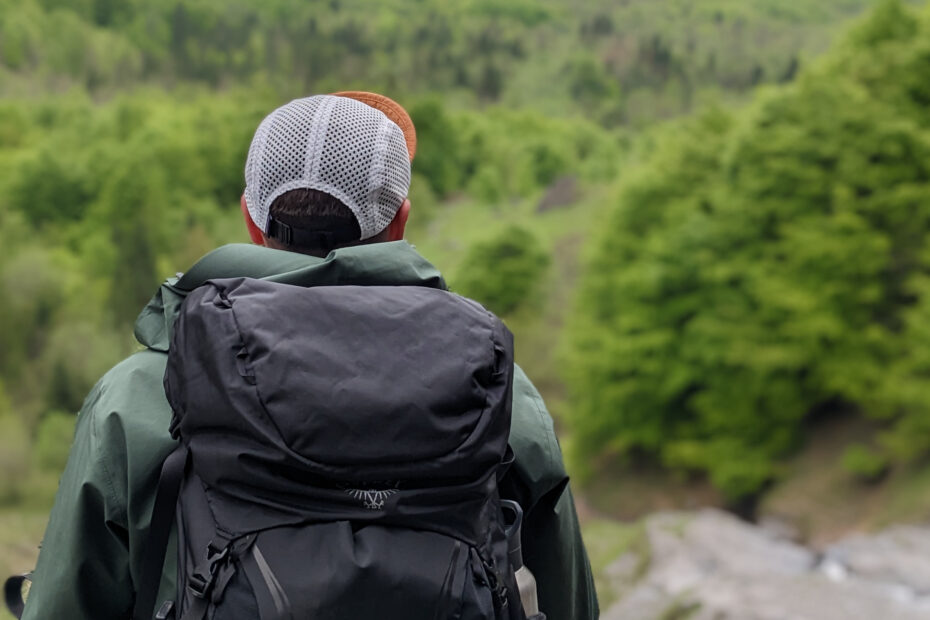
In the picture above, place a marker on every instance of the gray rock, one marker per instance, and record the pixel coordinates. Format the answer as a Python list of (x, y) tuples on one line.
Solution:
[(623, 571), (900, 555), (781, 528), (709, 565)]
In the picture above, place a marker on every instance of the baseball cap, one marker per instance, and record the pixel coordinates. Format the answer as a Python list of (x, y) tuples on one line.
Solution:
[(354, 146)]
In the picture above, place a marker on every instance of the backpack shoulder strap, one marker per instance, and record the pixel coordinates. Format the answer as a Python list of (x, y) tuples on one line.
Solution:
[(169, 484)]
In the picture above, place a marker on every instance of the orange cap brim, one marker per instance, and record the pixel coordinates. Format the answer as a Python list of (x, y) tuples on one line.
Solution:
[(392, 110)]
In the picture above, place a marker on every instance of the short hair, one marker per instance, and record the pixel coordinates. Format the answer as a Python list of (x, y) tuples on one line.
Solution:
[(315, 210)]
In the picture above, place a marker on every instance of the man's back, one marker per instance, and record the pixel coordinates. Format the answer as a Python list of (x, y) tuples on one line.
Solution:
[(92, 555)]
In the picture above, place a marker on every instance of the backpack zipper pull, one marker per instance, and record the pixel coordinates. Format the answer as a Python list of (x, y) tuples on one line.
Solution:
[(496, 584)]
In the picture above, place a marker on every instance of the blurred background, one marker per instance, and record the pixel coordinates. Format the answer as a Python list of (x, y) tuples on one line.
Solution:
[(706, 222)]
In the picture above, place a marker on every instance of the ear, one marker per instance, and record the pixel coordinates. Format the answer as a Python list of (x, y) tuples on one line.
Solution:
[(255, 232), (395, 230)]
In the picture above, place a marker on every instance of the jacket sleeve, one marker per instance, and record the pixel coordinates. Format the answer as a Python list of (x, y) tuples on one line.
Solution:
[(95, 541), (552, 546), (83, 568)]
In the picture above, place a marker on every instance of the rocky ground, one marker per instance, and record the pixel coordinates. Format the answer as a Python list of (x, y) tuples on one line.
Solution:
[(709, 565)]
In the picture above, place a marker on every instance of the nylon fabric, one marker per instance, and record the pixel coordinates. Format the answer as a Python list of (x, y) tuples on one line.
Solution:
[(291, 458)]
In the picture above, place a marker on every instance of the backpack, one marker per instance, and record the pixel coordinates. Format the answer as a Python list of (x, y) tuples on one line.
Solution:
[(339, 454)]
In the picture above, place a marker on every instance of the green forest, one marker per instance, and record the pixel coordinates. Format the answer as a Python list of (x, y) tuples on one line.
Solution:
[(766, 266), (706, 221)]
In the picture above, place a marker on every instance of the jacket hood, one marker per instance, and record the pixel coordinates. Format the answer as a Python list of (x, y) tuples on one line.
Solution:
[(386, 264)]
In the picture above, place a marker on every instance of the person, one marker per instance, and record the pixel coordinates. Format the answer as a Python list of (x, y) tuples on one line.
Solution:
[(325, 203)]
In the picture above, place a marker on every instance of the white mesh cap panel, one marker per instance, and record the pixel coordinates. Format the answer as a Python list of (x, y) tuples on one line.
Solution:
[(335, 145)]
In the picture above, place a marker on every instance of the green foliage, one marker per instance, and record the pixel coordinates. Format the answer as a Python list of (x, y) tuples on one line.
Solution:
[(889, 22), (758, 266), (907, 389), (132, 203), (502, 153), (49, 187), (32, 288), (76, 353), (630, 62), (504, 272), (864, 463), (527, 12), (437, 146), (427, 204), (14, 451), (53, 441), (101, 203)]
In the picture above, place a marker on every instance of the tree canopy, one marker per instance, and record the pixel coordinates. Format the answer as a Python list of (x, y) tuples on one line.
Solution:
[(763, 265)]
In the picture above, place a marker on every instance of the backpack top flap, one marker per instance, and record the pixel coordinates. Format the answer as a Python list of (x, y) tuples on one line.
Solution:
[(360, 402)]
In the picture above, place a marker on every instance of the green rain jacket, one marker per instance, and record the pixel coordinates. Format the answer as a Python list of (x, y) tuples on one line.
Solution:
[(91, 556)]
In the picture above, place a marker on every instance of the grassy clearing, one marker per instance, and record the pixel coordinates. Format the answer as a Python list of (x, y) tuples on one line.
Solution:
[(815, 492), (20, 534), (606, 541), (629, 491)]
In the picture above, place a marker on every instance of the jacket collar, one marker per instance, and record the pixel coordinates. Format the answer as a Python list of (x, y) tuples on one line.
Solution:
[(386, 264)]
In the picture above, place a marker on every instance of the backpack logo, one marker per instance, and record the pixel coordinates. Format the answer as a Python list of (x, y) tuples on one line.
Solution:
[(372, 499)]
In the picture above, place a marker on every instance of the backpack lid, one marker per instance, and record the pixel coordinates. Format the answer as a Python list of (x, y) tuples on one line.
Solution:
[(288, 395)]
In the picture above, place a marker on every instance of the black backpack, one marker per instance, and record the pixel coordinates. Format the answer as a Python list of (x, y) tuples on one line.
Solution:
[(339, 458)]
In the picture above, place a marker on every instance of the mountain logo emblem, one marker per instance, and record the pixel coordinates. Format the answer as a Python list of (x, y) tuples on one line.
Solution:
[(373, 499)]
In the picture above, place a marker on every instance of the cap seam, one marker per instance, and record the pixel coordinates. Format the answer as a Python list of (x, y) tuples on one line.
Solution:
[(376, 173), (320, 127)]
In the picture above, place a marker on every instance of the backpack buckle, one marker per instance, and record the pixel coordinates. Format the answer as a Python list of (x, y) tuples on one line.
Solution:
[(202, 579), (280, 231)]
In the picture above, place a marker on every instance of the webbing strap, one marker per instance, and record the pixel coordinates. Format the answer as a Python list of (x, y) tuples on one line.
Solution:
[(197, 610), (13, 594), (270, 597), (153, 560)]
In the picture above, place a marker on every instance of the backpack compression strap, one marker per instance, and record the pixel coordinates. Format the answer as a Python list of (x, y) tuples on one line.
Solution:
[(166, 499)]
